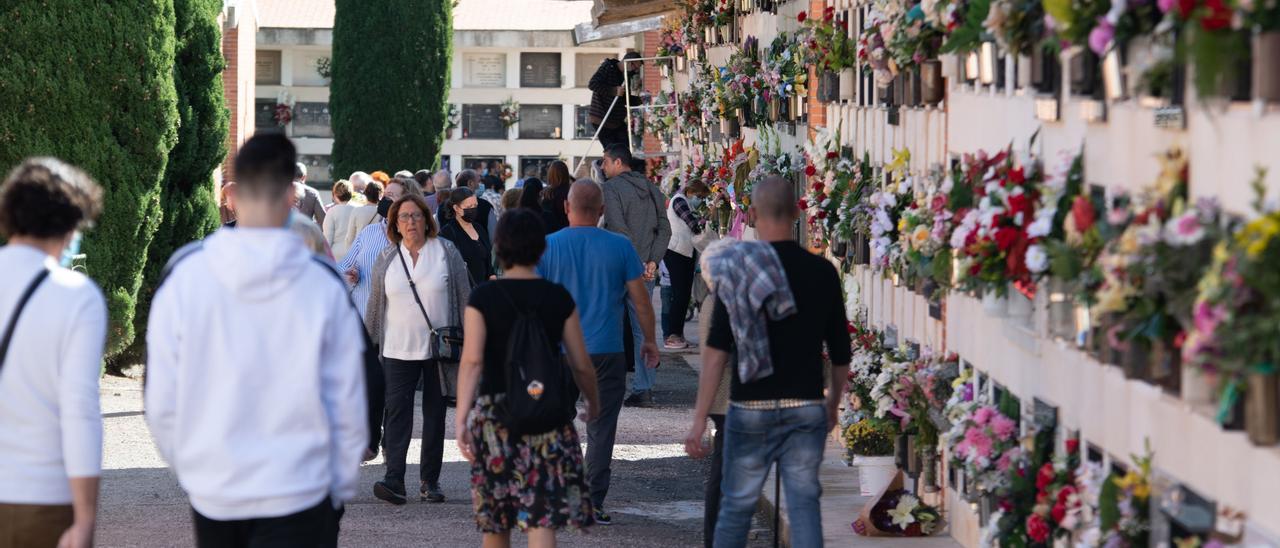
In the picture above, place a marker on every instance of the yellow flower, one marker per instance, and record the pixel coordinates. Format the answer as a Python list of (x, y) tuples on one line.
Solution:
[(1257, 235), (1134, 483), (900, 159), (920, 237), (902, 225)]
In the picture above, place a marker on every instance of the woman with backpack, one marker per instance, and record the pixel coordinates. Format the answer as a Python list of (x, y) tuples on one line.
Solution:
[(526, 461)]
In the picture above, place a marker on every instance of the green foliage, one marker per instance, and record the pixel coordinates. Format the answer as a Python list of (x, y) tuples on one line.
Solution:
[(1217, 56), (388, 96), (190, 211), (92, 84), (969, 36)]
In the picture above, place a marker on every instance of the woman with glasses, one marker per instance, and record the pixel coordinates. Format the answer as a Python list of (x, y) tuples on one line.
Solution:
[(418, 283), (463, 226)]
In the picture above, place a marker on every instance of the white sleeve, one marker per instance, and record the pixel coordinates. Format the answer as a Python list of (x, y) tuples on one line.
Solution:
[(80, 415), (345, 401), (161, 389)]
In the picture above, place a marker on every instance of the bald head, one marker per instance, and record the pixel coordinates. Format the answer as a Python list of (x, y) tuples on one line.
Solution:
[(585, 204), (775, 200)]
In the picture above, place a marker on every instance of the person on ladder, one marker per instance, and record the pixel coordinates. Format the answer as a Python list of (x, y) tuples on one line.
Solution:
[(608, 85)]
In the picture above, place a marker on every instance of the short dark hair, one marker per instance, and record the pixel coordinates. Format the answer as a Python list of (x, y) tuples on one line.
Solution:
[(47, 198), (519, 239), (393, 216), (423, 177), (639, 165), (619, 151), (265, 165), (465, 178), (373, 192)]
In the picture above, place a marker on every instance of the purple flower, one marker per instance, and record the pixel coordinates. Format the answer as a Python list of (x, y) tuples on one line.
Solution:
[(1101, 36)]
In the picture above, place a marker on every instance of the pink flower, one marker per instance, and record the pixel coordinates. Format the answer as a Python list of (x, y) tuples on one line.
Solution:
[(1165, 5), (979, 441), (1101, 36), (1006, 459), (1003, 427), (983, 415)]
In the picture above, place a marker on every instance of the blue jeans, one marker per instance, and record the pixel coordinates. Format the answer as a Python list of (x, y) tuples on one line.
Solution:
[(754, 441), (644, 377)]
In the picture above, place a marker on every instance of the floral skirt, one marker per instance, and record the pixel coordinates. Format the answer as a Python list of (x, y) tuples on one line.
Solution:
[(526, 481)]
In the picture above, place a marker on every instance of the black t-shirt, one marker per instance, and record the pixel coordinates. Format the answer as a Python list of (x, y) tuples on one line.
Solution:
[(795, 342), (476, 253), (552, 301)]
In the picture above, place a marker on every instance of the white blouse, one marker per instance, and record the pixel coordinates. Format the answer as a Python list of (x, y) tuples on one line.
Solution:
[(407, 335)]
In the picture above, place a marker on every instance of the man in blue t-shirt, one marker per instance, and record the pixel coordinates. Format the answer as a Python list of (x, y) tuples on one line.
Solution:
[(600, 269)]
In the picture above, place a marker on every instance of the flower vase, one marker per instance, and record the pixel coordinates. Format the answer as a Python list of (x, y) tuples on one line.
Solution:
[(994, 304), (1020, 307), (795, 108), (907, 455), (929, 476), (727, 33), (1166, 368), (680, 63), (729, 128), (911, 88), (665, 70), (972, 67), (987, 63), (512, 132), (775, 109), (1113, 76), (1197, 387), (874, 474), (1262, 409), (932, 86), (1266, 75), (1135, 361), (847, 81), (862, 250)]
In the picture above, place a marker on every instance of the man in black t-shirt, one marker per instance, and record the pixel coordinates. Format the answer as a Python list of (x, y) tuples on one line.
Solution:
[(785, 412)]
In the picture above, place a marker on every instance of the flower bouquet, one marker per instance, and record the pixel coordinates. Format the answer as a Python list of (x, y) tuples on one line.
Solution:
[(984, 443), (924, 229), (993, 236), (1017, 25), (898, 513), (509, 113), (826, 41), (454, 119)]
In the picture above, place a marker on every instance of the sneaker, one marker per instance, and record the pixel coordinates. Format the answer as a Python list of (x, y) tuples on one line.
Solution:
[(638, 399), (676, 342), (390, 493), (431, 492), (602, 517)]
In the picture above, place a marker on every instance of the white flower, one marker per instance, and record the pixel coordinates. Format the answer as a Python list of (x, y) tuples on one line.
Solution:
[(1043, 224), (1184, 230), (1037, 259), (901, 515)]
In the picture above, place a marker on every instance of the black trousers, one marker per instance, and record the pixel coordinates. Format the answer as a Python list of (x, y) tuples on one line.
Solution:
[(375, 386), (681, 270), (711, 502), (402, 380), (314, 527), (611, 379), (616, 135)]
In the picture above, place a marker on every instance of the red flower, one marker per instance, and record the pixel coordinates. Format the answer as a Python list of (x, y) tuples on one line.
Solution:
[(822, 214), (852, 329), (831, 155), (1179, 339), (1185, 8), (1059, 512), (810, 170), (801, 16), (828, 14), (1219, 16), (1073, 445), (818, 186), (804, 204), (1064, 494), (1017, 176), (1045, 477), (1021, 204), (1083, 214), (1037, 529), (1005, 238)]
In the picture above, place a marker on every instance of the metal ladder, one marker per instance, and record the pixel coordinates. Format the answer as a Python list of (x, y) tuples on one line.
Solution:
[(626, 82)]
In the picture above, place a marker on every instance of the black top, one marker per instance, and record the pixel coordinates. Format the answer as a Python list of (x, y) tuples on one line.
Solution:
[(553, 214), (552, 301), (476, 253), (795, 342)]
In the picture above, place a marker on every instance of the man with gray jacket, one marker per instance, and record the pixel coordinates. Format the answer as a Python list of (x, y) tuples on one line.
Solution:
[(635, 208)]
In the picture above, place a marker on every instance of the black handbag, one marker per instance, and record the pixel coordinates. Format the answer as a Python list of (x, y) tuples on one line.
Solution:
[(446, 342)]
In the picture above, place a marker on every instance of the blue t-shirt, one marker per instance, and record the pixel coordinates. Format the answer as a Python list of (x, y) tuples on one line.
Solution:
[(595, 266)]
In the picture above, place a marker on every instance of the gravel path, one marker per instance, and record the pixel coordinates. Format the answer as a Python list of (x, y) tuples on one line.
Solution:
[(656, 497)]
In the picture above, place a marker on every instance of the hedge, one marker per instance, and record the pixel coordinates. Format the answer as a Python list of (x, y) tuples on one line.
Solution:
[(389, 90), (92, 83), (190, 210)]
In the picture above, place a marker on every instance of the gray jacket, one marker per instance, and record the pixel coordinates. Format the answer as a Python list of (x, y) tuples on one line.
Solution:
[(635, 208), (459, 290), (309, 203)]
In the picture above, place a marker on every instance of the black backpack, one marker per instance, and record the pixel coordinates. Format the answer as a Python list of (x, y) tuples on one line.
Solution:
[(540, 395)]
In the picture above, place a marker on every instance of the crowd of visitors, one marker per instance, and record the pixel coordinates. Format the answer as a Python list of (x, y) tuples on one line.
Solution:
[(286, 348)]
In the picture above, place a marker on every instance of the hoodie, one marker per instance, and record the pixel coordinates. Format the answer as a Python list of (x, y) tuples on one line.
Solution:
[(635, 208), (255, 389)]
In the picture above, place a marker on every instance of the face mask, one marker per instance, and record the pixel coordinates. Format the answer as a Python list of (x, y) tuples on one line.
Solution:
[(69, 253), (695, 202), (469, 214), (384, 207)]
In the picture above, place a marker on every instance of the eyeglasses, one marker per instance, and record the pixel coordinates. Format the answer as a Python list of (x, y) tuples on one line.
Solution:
[(415, 217)]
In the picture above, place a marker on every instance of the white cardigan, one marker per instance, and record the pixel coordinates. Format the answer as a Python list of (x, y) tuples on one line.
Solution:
[(681, 235)]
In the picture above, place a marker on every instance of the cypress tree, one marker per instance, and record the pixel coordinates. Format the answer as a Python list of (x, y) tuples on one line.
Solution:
[(187, 190), (389, 92), (92, 83)]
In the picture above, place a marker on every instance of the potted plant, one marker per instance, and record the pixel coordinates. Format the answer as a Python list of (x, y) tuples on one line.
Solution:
[(872, 443), (831, 50), (509, 115)]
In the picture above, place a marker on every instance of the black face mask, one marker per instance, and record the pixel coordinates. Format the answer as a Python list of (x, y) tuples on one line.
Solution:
[(384, 207), (469, 214)]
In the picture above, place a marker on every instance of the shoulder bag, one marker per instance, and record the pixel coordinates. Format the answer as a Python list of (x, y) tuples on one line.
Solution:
[(13, 321), (446, 342)]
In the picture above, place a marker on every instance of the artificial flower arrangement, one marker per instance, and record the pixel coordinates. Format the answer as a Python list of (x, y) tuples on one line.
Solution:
[(963, 22), (673, 37), (887, 205), (826, 191), (993, 238), (873, 50), (1217, 34), (283, 112), (924, 230), (1237, 307), (868, 349), (783, 73), (853, 216), (1018, 26), (662, 118), (826, 41), (772, 158), (738, 80), (982, 441), (909, 388), (454, 119), (1073, 20), (913, 38), (1028, 493), (509, 113)]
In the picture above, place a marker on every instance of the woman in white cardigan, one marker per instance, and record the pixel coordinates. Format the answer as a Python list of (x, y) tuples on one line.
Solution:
[(53, 324), (685, 212)]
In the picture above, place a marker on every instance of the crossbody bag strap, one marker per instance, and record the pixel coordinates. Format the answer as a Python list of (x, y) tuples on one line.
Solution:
[(414, 288), (13, 321)]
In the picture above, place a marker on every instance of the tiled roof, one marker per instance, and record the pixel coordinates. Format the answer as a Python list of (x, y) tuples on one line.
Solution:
[(467, 15)]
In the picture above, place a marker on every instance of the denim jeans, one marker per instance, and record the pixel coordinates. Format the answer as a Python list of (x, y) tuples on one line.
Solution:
[(754, 441), (644, 378)]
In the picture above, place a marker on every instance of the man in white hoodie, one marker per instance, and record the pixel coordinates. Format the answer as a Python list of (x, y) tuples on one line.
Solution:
[(255, 391)]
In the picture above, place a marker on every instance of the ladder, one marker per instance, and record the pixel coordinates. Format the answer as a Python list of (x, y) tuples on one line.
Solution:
[(626, 82)]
